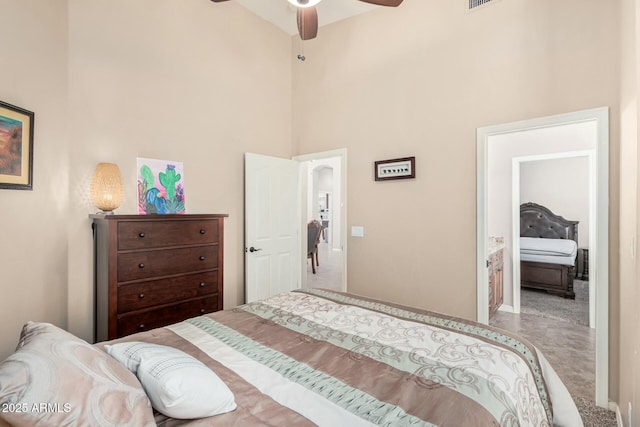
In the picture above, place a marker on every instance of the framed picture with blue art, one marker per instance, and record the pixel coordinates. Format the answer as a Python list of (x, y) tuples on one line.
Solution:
[(16, 147), (160, 187)]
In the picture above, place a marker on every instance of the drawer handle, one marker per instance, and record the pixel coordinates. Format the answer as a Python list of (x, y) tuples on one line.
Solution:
[(202, 284), (141, 265), (201, 258), (202, 310), (141, 296), (141, 235), (203, 231), (141, 326)]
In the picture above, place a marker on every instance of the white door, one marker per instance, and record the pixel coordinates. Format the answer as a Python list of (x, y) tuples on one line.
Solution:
[(272, 224)]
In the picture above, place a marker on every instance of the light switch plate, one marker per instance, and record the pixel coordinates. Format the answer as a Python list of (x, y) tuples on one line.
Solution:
[(357, 231)]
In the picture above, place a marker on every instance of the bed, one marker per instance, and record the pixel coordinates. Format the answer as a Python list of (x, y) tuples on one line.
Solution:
[(311, 357), (548, 249)]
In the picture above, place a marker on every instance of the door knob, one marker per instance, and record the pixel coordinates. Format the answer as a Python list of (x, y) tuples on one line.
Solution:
[(252, 249)]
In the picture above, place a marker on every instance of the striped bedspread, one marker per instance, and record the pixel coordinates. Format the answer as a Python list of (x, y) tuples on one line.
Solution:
[(322, 358)]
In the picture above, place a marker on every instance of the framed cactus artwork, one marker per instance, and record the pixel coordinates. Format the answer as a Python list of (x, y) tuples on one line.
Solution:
[(160, 187)]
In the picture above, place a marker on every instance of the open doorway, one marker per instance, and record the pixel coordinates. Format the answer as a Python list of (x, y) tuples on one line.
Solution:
[(537, 136), (324, 200), (562, 182)]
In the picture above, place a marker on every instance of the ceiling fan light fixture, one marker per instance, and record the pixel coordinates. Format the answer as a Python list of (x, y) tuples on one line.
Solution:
[(304, 3)]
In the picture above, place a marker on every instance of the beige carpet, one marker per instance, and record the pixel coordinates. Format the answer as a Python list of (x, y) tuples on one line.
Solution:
[(541, 303), (593, 416)]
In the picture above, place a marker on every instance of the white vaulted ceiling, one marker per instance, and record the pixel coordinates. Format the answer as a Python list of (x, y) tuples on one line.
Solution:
[(283, 14)]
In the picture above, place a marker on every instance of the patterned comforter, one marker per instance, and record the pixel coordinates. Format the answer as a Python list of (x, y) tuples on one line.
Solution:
[(316, 357)]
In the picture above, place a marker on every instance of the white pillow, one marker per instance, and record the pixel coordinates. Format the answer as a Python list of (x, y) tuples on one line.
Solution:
[(178, 385)]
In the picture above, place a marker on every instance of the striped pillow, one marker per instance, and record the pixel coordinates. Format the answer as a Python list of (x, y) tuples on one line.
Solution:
[(178, 385)]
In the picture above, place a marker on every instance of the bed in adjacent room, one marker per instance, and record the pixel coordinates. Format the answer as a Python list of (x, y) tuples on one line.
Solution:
[(310, 357), (548, 250)]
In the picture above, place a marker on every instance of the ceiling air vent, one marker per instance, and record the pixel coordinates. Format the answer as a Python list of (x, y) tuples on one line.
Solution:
[(475, 3)]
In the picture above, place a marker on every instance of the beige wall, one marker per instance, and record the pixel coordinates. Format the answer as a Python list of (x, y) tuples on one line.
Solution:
[(418, 81), (33, 224), (196, 82), (629, 315)]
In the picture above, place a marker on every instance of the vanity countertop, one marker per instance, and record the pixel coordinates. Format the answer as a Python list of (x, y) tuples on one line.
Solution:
[(495, 244)]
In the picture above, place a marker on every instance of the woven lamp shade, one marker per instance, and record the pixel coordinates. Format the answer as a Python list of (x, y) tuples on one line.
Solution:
[(106, 187)]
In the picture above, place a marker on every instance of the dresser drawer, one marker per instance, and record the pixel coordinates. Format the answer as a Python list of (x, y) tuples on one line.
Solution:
[(156, 292), (143, 321), (157, 234), (149, 264)]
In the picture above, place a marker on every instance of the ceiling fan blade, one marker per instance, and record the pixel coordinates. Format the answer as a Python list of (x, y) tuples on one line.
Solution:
[(307, 22), (218, 1), (390, 3)]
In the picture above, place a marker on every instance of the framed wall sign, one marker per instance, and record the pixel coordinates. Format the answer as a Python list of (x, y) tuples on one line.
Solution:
[(16, 147), (403, 168)]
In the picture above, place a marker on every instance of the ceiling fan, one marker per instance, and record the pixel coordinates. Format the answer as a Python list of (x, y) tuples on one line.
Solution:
[(308, 15)]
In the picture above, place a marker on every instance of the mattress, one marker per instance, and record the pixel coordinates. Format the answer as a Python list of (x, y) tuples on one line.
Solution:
[(553, 251), (549, 259)]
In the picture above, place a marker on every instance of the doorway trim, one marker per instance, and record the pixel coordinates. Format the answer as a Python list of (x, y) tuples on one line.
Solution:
[(601, 200), (342, 154)]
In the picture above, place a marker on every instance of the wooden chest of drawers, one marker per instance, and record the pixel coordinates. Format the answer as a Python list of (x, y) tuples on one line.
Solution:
[(151, 271)]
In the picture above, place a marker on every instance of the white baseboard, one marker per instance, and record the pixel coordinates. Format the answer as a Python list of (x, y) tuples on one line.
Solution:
[(614, 407), (507, 308)]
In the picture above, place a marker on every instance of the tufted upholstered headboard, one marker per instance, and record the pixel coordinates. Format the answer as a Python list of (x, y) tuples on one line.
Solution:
[(538, 221)]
